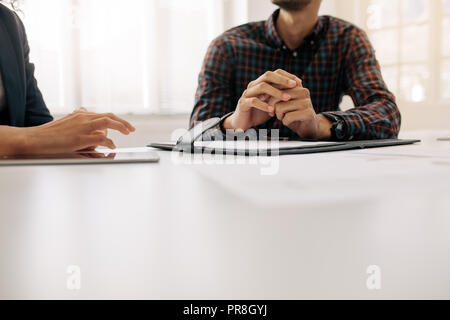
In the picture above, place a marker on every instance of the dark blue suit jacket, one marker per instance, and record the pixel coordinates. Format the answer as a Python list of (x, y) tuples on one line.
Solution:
[(25, 103)]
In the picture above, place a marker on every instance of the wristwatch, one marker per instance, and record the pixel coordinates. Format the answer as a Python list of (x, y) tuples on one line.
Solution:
[(339, 127)]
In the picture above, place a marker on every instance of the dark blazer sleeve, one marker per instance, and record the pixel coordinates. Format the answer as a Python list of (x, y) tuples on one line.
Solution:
[(36, 112)]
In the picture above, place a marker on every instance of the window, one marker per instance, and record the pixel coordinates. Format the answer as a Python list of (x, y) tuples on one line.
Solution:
[(413, 47), (134, 56)]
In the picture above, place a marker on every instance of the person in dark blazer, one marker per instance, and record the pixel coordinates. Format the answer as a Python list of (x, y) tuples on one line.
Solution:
[(26, 126), (22, 104)]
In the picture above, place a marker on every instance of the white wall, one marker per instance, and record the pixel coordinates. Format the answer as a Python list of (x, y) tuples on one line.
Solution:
[(261, 9)]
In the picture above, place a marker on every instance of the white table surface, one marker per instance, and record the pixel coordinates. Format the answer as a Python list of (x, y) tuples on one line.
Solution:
[(210, 231)]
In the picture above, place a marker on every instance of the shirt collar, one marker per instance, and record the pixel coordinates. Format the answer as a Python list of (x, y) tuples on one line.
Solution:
[(274, 38)]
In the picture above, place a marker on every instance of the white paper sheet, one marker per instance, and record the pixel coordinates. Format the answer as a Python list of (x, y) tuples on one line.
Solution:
[(262, 145)]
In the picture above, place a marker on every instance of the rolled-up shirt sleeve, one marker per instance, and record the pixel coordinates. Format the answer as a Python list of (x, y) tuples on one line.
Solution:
[(213, 97), (376, 115)]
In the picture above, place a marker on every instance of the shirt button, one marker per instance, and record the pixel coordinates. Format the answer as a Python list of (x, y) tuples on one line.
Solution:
[(312, 42), (295, 54), (284, 48)]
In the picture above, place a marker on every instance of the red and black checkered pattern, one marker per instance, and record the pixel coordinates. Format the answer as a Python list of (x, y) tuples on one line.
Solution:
[(336, 59)]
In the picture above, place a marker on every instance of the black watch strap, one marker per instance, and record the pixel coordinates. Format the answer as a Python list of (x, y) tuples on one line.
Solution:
[(339, 127)]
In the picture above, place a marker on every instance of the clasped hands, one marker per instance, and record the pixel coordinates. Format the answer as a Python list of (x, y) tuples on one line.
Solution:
[(282, 95)]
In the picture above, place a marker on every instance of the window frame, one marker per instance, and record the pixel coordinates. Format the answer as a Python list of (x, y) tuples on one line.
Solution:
[(436, 58)]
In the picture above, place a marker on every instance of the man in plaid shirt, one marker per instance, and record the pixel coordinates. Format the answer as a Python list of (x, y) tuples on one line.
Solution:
[(291, 72)]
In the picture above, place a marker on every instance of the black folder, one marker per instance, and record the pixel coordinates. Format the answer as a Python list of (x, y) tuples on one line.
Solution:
[(325, 147), (189, 143)]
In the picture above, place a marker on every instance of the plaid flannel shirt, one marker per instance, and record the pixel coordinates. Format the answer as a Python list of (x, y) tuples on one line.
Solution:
[(336, 59)]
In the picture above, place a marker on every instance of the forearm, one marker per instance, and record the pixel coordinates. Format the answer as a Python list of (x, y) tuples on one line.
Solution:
[(376, 115), (12, 140), (380, 119), (213, 97)]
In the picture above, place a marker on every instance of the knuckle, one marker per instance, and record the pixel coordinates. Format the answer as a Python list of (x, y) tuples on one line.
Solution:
[(104, 121), (263, 86), (306, 92)]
